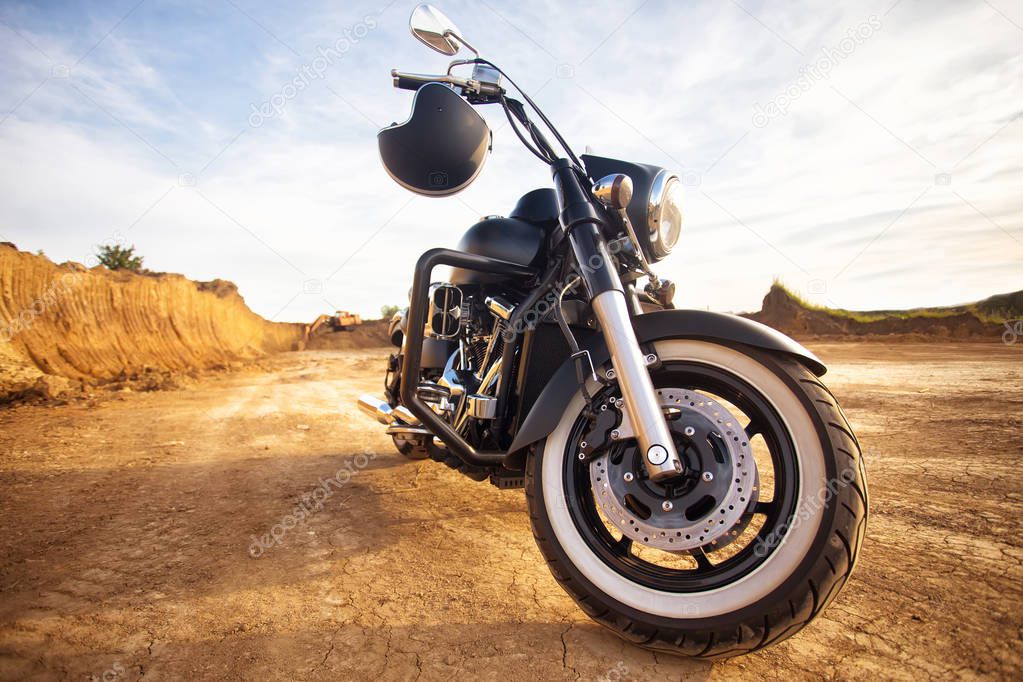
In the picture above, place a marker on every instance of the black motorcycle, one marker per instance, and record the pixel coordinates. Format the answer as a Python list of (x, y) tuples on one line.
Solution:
[(690, 481)]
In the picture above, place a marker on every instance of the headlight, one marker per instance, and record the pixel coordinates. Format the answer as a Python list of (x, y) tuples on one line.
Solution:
[(664, 213)]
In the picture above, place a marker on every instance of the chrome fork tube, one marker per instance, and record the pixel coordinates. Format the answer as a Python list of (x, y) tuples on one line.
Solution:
[(661, 459), (581, 220)]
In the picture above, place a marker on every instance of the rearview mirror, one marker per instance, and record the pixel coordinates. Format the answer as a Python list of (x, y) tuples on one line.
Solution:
[(432, 28)]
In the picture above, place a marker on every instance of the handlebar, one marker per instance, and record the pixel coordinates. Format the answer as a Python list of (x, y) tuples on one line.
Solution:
[(469, 86), (412, 81)]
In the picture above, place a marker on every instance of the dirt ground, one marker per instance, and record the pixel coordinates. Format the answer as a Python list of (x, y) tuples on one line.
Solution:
[(132, 525)]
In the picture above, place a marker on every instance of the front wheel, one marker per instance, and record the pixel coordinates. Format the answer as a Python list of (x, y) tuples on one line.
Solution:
[(747, 546)]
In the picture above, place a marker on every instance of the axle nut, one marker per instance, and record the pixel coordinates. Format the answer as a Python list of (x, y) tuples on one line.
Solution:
[(657, 455)]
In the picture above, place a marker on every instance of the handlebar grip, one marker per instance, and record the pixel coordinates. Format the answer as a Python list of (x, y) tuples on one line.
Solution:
[(410, 81), (406, 83)]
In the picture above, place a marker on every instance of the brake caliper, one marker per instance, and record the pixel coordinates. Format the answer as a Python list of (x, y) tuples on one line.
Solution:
[(600, 432)]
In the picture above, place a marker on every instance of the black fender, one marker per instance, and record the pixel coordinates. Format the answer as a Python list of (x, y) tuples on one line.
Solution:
[(547, 411)]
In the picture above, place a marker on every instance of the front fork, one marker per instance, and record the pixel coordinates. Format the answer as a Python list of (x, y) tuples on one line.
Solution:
[(581, 220)]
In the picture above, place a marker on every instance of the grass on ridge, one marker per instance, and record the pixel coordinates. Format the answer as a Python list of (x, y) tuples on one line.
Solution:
[(994, 310)]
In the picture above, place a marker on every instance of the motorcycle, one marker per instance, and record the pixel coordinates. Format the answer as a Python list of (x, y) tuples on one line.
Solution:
[(690, 481)]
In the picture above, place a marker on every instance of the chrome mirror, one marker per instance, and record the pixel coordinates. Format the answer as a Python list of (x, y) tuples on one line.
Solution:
[(432, 28)]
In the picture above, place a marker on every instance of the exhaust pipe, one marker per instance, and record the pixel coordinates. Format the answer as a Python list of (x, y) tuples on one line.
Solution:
[(378, 409), (402, 414), (384, 413)]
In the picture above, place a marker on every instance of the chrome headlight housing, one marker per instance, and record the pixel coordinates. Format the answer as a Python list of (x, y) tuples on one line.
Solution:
[(664, 213)]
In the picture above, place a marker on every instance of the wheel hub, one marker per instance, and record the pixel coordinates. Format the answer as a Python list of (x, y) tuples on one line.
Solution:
[(704, 506)]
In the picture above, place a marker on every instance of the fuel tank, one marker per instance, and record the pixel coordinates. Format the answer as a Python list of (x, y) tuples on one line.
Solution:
[(509, 239), (520, 238)]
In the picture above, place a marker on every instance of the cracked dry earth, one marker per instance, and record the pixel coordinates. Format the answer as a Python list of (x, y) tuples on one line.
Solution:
[(127, 526)]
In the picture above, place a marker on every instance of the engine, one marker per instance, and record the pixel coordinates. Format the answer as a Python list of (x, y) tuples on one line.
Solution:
[(462, 358)]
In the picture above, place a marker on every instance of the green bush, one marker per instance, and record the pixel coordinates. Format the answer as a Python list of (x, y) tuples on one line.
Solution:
[(116, 257)]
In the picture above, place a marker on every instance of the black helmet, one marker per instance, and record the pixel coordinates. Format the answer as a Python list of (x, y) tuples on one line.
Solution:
[(441, 148)]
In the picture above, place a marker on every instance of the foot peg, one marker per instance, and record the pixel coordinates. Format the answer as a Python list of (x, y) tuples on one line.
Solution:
[(506, 480)]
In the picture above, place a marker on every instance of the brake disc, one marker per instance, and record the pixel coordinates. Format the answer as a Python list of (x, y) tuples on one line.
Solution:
[(708, 506)]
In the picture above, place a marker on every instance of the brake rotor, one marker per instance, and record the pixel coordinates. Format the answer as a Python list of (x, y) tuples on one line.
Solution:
[(708, 505)]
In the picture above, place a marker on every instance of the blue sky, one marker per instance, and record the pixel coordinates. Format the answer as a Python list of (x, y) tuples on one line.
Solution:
[(867, 153)]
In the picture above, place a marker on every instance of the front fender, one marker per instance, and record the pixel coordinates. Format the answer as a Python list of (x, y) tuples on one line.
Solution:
[(547, 411)]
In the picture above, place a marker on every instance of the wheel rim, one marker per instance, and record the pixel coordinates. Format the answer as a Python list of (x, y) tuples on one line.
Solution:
[(708, 568)]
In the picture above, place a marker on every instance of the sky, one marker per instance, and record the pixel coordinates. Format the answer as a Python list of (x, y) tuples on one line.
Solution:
[(865, 153)]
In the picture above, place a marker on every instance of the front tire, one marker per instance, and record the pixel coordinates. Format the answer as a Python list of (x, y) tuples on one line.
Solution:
[(796, 561)]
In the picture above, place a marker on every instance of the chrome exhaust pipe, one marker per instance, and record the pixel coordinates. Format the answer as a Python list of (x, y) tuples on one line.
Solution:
[(384, 413), (378, 409), (402, 413)]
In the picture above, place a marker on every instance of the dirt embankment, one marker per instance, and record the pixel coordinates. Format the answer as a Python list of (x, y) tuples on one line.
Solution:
[(65, 325), (786, 312), (369, 334)]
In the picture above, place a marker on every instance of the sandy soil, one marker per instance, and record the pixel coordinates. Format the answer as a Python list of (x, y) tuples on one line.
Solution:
[(130, 525)]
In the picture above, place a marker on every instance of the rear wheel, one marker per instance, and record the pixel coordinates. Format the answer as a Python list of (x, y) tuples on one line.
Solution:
[(742, 551), (412, 446)]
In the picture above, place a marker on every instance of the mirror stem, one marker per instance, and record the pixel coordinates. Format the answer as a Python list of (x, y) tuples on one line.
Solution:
[(460, 39), (459, 62)]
